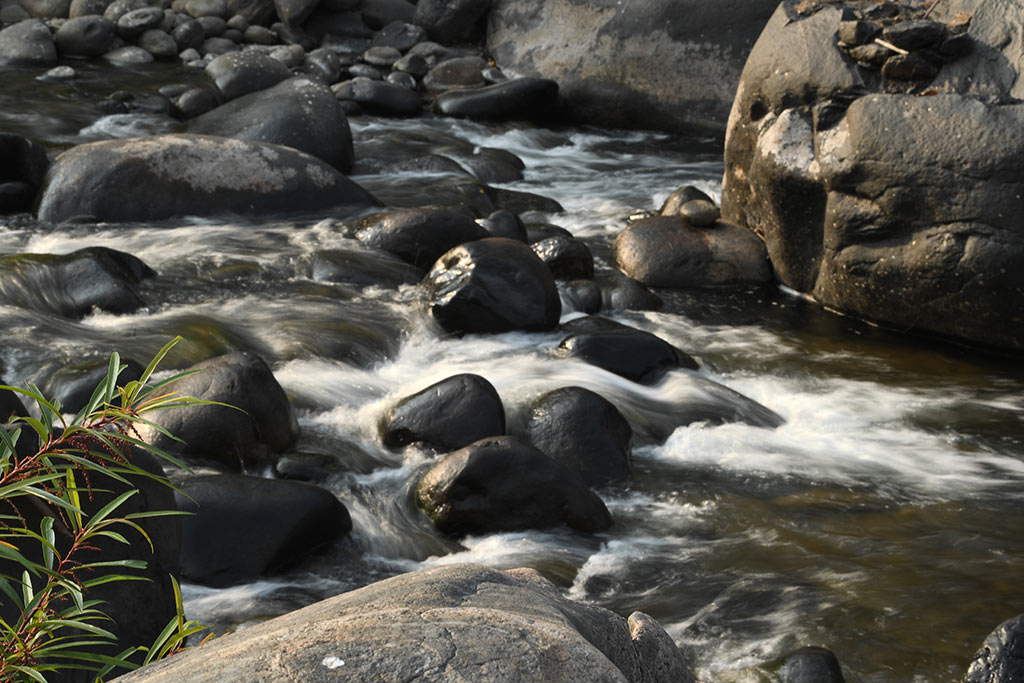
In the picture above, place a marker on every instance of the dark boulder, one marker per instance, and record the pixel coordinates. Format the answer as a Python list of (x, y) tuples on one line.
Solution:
[(385, 99), (457, 622), (457, 72), (401, 36), (189, 34), (379, 13), (27, 43), (663, 64), (900, 209), (453, 21), (324, 65), (492, 285), (634, 354), (256, 12), (363, 268), (88, 36), (504, 223), (158, 43), (567, 257), (294, 12), (243, 528), (259, 420), (22, 162), (73, 384), (583, 431), (811, 665), (504, 484), (663, 251), (419, 236), (520, 98), (47, 9), (160, 177), (1001, 657), (583, 296), (299, 113), (72, 285), (238, 73), (445, 416)]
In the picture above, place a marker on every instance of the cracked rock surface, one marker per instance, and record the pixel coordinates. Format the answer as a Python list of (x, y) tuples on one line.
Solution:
[(454, 623), (893, 200)]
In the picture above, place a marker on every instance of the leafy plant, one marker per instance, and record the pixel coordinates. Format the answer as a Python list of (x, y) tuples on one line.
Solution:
[(49, 622)]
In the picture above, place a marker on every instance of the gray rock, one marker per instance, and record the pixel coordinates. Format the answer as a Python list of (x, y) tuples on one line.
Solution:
[(1001, 658), (158, 43), (80, 8), (207, 8), (415, 65), (399, 35), (664, 252), (299, 113), (896, 207), (129, 54), (239, 73), (323, 64), (699, 213), (381, 56), (218, 47), (239, 23), (213, 27), (194, 102), (135, 23), (811, 665), (340, 24), (243, 528), (72, 285), (583, 431), (365, 71), (566, 257), (915, 34), (294, 12), (118, 8), (684, 57), (459, 622), (260, 35), (505, 484), (159, 177), (259, 421), (492, 285), (675, 201), (29, 43), (188, 34), (380, 13), (458, 72), (445, 416), (47, 9), (58, 74), (453, 21), (256, 12), (385, 99), (401, 79), (521, 98), (419, 236), (289, 55)]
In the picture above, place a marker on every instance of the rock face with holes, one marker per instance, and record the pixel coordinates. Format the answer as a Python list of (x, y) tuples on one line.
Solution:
[(461, 622), (885, 192)]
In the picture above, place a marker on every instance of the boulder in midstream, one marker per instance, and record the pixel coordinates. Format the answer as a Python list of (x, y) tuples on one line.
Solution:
[(419, 236)]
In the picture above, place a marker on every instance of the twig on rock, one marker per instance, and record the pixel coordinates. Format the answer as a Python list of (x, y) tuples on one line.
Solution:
[(886, 43), (931, 7)]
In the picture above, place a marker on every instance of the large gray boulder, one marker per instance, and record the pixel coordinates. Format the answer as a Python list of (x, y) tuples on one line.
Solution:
[(661, 64), (300, 113), (1001, 657), (455, 623), (27, 43), (160, 177), (896, 204)]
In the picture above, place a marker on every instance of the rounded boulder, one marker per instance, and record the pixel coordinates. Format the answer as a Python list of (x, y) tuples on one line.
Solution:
[(164, 176), (419, 236), (583, 431), (505, 484), (448, 415), (492, 285)]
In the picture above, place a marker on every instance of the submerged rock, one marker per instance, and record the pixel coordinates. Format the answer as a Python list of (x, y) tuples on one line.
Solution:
[(259, 420), (811, 665), (634, 354), (445, 416), (459, 622), (492, 285), (243, 528), (72, 285), (504, 484), (164, 176)]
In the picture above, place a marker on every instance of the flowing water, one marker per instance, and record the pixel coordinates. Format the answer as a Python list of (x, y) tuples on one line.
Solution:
[(884, 519)]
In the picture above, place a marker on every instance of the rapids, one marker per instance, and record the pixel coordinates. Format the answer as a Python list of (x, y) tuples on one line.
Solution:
[(883, 519)]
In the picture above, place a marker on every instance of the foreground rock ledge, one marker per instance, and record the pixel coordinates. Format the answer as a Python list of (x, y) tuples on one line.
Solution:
[(461, 622)]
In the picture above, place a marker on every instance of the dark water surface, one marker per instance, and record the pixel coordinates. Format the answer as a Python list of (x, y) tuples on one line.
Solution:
[(884, 519)]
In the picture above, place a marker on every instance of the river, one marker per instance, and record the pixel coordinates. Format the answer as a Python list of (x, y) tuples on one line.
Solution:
[(883, 520)]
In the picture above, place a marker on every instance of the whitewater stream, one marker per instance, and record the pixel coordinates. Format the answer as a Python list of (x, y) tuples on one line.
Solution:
[(884, 519)]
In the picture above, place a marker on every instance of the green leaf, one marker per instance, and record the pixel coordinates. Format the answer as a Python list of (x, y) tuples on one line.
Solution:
[(46, 531), (112, 505), (113, 370)]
